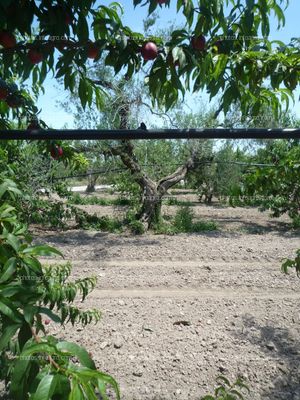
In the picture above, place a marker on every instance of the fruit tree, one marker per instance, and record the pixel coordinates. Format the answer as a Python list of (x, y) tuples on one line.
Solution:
[(224, 48)]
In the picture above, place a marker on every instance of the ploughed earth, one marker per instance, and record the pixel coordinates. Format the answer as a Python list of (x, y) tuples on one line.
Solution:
[(178, 311)]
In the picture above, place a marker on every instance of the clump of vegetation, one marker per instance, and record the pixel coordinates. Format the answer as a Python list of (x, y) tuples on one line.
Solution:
[(104, 223), (276, 186), (228, 391), (34, 364), (183, 222), (54, 214), (78, 199), (295, 263), (136, 227)]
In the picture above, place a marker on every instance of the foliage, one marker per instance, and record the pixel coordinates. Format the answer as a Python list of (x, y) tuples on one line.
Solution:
[(183, 220), (276, 187), (50, 213), (239, 62), (218, 176), (183, 223), (104, 223), (288, 263), (136, 227), (127, 187), (34, 364), (227, 391)]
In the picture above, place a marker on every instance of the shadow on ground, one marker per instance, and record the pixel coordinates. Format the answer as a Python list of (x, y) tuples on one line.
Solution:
[(281, 347)]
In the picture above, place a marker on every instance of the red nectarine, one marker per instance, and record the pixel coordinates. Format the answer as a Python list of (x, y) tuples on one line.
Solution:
[(149, 51), (198, 42), (56, 152), (92, 51), (7, 39), (35, 56)]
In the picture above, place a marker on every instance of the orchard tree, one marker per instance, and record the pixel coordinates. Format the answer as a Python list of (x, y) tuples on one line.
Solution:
[(223, 49), (153, 166), (276, 187)]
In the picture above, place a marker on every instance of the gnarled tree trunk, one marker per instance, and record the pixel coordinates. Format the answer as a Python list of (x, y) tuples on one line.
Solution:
[(153, 192), (92, 180)]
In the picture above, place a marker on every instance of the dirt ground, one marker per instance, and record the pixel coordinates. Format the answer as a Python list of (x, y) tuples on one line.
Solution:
[(180, 310)]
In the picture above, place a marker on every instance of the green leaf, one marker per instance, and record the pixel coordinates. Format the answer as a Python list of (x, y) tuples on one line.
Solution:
[(78, 351), (83, 29), (29, 311), (82, 91), (45, 388), (76, 392), (43, 250), (7, 308), (7, 333), (13, 241), (9, 269), (63, 387), (50, 314), (18, 383), (224, 379)]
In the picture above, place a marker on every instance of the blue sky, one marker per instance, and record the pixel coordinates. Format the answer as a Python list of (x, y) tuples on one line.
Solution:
[(56, 117)]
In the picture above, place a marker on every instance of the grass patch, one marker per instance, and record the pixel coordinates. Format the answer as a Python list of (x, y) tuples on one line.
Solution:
[(183, 223), (95, 200), (104, 223)]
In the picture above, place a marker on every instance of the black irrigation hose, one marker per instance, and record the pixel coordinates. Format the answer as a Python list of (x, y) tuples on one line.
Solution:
[(122, 134)]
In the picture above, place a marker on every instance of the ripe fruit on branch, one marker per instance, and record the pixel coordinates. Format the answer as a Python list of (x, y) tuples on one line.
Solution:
[(35, 56), (47, 321), (7, 39), (14, 101), (68, 19), (56, 152), (149, 51), (92, 51), (198, 42), (3, 93), (4, 90)]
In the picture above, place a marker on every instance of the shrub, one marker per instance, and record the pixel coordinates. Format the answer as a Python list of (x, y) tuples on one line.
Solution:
[(227, 391), (288, 263), (54, 214), (94, 200), (88, 200), (202, 226), (136, 227), (276, 186), (104, 223), (35, 365), (183, 222)]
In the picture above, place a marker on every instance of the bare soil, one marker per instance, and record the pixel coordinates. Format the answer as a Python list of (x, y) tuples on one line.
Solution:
[(180, 310)]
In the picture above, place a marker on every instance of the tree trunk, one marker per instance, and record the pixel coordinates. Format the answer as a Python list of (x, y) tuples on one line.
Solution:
[(150, 213), (152, 192), (92, 179)]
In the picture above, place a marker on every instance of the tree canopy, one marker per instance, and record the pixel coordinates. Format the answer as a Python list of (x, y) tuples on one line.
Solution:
[(224, 48)]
